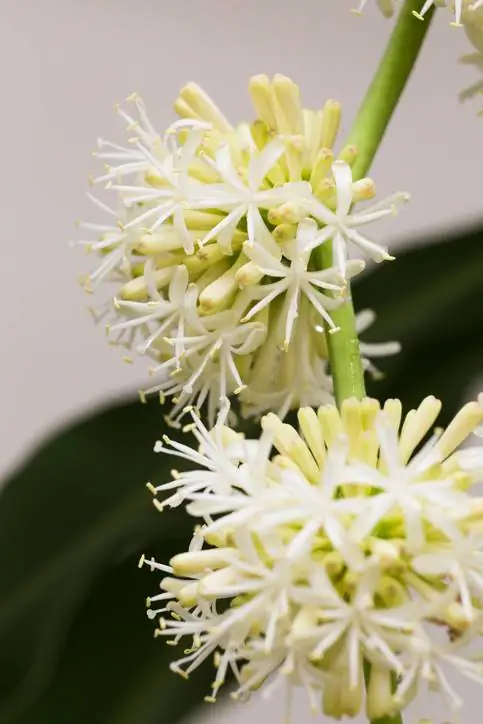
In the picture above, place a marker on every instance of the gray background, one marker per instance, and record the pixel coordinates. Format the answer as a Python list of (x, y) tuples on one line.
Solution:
[(63, 65)]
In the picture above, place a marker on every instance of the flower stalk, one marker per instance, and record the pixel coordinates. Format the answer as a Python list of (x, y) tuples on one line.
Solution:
[(366, 135)]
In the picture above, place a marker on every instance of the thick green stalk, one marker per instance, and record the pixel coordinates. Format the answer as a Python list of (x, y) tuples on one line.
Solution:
[(367, 133)]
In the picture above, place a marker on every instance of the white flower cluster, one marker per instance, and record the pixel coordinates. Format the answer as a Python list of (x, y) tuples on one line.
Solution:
[(212, 252), (356, 543)]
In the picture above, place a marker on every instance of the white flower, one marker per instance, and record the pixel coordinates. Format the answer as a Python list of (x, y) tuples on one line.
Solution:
[(428, 663), (341, 225), (173, 190), (462, 561), (164, 317), (343, 547), (295, 279), (208, 364), (114, 243), (245, 198)]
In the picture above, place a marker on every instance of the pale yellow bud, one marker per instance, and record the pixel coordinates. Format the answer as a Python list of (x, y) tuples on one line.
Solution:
[(379, 700), (312, 432), (462, 425), (289, 443), (136, 290), (189, 564), (288, 109), (330, 123), (260, 90), (417, 424), (248, 275), (221, 292), (203, 107)]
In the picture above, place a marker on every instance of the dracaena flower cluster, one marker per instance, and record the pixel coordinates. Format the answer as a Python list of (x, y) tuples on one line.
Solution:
[(211, 251), (355, 541)]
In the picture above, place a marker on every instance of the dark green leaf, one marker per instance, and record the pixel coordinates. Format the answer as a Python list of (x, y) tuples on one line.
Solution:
[(112, 670), (431, 300), (434, 290), (78, 506)]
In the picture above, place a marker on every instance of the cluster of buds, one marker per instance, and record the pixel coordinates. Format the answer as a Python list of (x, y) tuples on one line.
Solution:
[(356, 542), (212, 257)]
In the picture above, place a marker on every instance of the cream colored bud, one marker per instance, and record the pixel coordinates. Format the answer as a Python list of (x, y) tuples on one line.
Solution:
[(194, 562), (184, 110), (261, 92), (312, 432), (416, 426), (153, 178), (221, 292), (172, 585), (331, 423), (218, 539), (137, 289), (332, 113), (200, 170), (212, 272), (260, 134), (287, 213), (289, 443), (303, 623), (379, 700), (393, 411), (212, 585), (462, 425), (284, 232), (363, 190), (331, 703), (188, 595), (388, 553), (204, 220), (248, 275), (326, 192), (334, 563), (160, 242), (348, 155), (313, 125), (392, 591), (288, 109), (321, 167), (351, 698), (203, 106)]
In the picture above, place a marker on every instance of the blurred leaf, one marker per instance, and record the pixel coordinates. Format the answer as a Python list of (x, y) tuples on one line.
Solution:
[(431, 291), (77, 506), (431, 300), (113, 671)]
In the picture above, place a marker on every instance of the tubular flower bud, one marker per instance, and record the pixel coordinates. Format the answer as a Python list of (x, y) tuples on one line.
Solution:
[(210, 247), (319, 553)]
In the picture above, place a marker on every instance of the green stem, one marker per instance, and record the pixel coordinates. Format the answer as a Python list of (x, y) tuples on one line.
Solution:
[(367, 133), (388, 85)]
